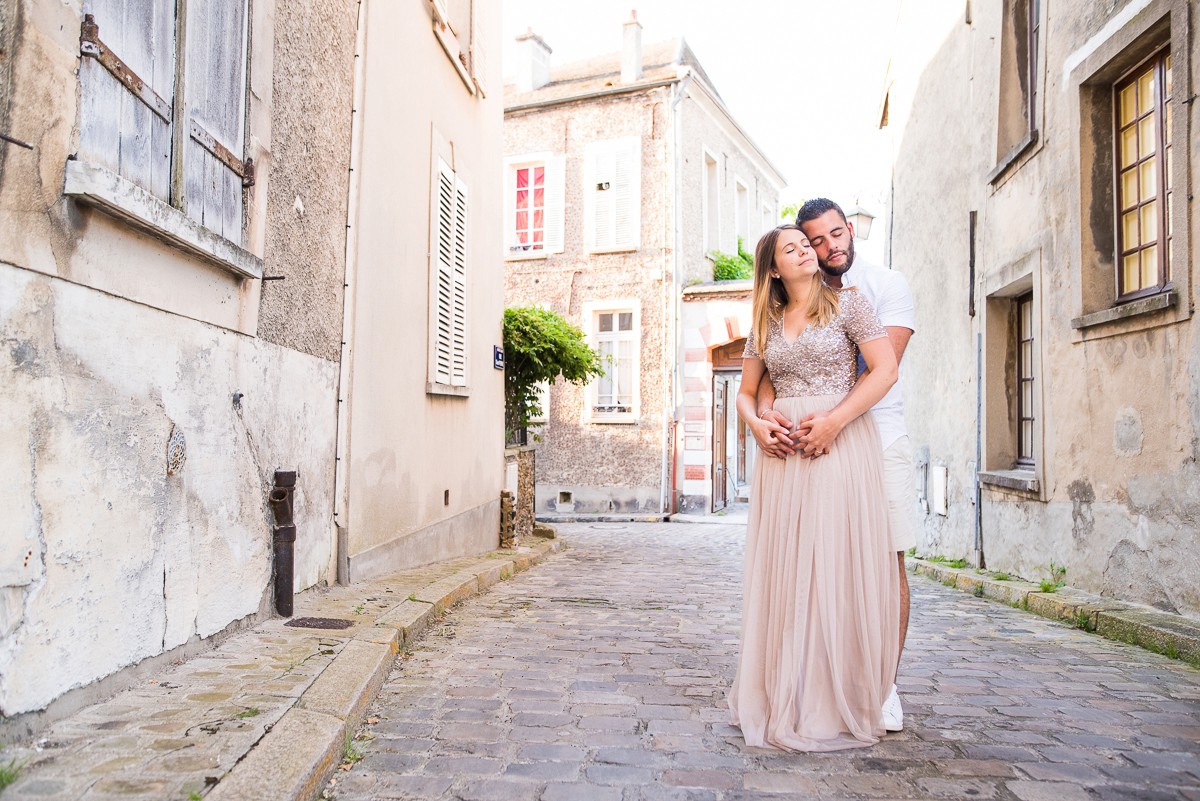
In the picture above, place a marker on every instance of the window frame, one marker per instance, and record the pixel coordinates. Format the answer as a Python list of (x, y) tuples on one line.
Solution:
[(166, 218), (553, 206), (591, 313), (456, 339), (711, 198), (1164, 188), (468, 58), (1025, 322), (1031, 25), (631, 146)]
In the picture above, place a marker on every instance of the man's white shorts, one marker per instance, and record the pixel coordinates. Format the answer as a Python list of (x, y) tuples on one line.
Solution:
[(899, 484)]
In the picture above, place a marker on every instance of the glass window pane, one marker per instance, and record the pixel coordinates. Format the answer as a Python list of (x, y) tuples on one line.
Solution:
[(1170, 207), (1170, 169), (1131, 273), (1146, 136), (1129, 225), (625, 383), (1169, 133), (539, 175), (1027, 439), (1150, 222), (626, 321), (1026, 358), (1129, 155), (1129, 189), (606, 321), (1168, 85), (1149, 170), (1127, 104), (1026, 398), (1150, 266), (522, 198), (1145, 83)]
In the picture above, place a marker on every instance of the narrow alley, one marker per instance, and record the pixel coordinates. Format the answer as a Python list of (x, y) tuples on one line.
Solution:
[(602, 674)]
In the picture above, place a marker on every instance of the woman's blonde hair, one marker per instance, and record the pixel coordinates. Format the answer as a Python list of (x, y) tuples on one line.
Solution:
[(770, 295)]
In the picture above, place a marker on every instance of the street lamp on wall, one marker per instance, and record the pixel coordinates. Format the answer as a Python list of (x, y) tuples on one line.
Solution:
[(861, 220)]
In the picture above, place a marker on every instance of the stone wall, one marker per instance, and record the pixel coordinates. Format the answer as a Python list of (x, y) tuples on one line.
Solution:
[(1113, 494)]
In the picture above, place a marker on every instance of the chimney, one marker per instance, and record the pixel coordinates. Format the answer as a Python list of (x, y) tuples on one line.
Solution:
[(631, 54), (533, 62)]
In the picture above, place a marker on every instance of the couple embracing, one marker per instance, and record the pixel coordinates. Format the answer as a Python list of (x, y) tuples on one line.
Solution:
[(825, 606)]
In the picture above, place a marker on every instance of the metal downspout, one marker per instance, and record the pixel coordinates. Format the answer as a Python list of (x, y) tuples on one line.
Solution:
[(676, 299), (341, 503)]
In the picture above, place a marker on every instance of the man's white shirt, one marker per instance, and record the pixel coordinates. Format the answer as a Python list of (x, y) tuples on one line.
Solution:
[(888, 291)]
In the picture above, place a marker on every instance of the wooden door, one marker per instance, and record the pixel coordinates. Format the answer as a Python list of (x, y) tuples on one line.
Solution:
[(720, 417)]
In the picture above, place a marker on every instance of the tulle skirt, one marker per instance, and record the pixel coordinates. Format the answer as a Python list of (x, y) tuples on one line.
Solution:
[(820, 607)]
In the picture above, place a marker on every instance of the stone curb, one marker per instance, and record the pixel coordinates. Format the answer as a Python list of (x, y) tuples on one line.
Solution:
[(1161, 632), (294, 760)]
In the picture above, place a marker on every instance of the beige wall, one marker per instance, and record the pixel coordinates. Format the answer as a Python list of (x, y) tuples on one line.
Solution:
[(115, 338), (1117, 402), (407, 448)]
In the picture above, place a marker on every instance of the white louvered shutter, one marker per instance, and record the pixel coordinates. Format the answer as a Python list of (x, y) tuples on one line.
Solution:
[(126, 126), (442, 289), (612, 195), (458, 319), (216, 111), (555, 203)]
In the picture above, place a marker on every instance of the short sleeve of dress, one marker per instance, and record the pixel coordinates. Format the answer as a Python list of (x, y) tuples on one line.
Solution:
[(751, 352), (858, 317)]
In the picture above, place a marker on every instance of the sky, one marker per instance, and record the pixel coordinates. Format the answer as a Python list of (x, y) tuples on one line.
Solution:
[(804, 78)]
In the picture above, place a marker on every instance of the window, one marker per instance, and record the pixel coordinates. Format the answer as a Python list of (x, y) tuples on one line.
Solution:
[(456, 25), (612, 195), (769, 218), (448, 283), (533, 206), (1024, 379), (614, 333), (1144, 185), (742, 210), (1017, 116), (712, 204), (166, 113)]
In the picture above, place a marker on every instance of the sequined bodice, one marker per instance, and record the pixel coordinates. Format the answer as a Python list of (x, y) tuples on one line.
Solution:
[(823, 360)]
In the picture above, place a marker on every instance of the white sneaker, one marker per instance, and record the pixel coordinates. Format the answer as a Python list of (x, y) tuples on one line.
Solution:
[(893, 713)]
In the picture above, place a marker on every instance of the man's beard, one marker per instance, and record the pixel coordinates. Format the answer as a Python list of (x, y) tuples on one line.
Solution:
[(835, 271)]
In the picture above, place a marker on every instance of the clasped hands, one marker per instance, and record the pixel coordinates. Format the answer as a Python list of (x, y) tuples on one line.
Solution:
[(813, 437)]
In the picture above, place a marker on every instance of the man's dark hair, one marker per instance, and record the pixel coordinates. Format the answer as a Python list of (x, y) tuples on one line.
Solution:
[(812, 209)]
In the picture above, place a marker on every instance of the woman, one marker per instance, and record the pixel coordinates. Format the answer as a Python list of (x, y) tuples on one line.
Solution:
[(819, 613)]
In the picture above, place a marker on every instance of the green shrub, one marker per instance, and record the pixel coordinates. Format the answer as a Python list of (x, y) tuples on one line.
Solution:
[(735, 267), (539, 345)]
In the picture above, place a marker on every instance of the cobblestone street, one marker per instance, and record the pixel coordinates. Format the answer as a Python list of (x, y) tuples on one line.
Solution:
[(602, 675)]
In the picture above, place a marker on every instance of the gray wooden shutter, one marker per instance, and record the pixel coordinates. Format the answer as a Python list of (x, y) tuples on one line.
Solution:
[(214, 169), (127, 85)]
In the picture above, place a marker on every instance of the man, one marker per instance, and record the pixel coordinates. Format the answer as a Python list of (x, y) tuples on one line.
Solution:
[(832, 237)]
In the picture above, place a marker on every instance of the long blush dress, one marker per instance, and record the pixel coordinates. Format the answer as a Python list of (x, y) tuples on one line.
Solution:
[(820, 607)]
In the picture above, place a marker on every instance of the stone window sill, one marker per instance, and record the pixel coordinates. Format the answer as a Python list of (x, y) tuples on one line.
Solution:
[(1125, 311), (445, 389), (112, 194), (1021, 480), (1009, 161)]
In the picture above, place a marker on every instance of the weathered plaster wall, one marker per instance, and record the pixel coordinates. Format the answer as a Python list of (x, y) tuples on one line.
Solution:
[(306, 210), (609, 467), (112, 338), (701, 129), (105, 558), (1119, 501), (425, 470)]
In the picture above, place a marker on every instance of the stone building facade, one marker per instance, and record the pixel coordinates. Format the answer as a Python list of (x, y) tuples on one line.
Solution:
[(193, 280), (643, 173), (1052, 387)]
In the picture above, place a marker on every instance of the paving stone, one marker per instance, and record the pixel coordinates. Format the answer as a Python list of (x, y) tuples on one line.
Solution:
[(602, 675)]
